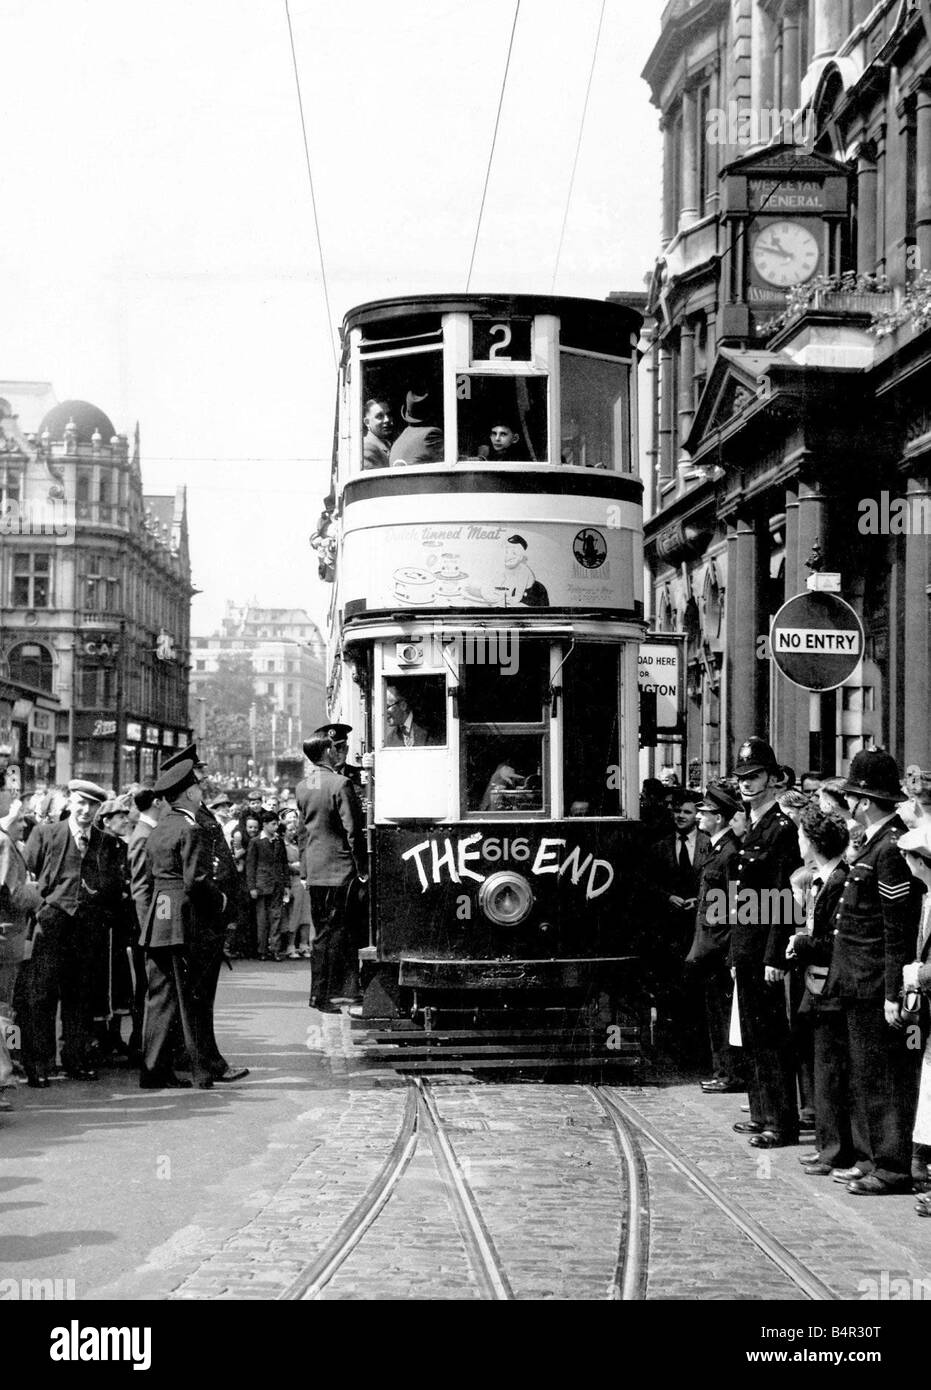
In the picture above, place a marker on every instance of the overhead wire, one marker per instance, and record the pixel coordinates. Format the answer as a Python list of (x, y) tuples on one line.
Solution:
[(578, 146), (494, 140), (313, 196)]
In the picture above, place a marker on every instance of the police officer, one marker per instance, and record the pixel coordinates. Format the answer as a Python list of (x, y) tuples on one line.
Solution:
[(185, 905), (761, 924), (711, 941), (876, 930), (209, 949), (338, 734)]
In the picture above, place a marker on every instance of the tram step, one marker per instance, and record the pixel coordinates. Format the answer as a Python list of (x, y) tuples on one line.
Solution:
[(446, 1064)]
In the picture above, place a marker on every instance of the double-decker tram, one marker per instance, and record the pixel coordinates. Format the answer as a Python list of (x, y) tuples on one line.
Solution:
[(486, 555)]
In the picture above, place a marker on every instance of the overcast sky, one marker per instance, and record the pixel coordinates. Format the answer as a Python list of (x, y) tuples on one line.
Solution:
[(158, 254)]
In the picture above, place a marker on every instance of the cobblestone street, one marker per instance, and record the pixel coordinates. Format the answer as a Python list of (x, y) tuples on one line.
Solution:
[(233, 1194)]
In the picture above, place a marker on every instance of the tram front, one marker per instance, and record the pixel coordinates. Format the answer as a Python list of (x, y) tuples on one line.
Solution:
[(486, 616)]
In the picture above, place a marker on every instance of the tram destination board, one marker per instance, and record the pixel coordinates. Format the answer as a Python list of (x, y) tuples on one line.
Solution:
[(816, 641)]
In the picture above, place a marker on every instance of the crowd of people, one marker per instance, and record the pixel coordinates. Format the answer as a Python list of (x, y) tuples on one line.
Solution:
[(117, 913), (798, 914)]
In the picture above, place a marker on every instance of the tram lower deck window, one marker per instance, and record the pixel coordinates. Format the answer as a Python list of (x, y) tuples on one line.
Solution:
[(591, 702), (504, 719), (415, 712)]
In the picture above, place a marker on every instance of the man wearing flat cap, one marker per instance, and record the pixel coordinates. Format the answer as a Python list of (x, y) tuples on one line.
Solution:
[(710, 947), (80, 890), (185, 903), (875, 936)]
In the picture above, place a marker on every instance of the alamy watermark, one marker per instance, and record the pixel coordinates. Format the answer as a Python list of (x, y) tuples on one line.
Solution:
[(741, 125), (37, 1290), (496, 647), (40, 517), (886, 515)]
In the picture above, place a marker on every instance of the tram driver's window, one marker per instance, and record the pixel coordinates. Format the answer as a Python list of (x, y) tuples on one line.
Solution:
[(595, 409), (502, 419), (402, 410), (590, 679), (503, 715), (415, 712)]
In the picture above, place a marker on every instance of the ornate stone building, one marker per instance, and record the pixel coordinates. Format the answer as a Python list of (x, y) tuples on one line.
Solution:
[(790, 363), (95, 594)]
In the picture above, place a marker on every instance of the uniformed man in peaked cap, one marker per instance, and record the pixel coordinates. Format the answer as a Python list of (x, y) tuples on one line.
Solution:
[(207, 961), (185, 902), (708, 954), (761, 924), (875, 935), (338, 734)]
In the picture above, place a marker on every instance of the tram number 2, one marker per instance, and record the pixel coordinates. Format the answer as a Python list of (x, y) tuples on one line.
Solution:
[(516, 850), (497, 340)]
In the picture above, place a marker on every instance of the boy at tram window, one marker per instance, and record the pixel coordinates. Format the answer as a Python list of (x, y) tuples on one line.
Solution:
[(268, 881), (505, 445)]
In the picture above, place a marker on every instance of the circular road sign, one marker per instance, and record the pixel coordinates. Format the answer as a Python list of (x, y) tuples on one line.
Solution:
[(816, 641)]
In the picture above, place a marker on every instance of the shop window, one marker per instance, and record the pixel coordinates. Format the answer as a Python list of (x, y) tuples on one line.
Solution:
[(595, 408), (504, 724), (502, 419), (32, 579), (415, 712), (31, 664)]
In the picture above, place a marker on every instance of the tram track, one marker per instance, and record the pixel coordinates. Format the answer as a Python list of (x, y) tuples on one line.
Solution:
[(628, 1122)]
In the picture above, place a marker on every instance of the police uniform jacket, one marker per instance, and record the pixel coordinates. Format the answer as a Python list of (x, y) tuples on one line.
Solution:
[(817, 947), (186, 903), (331, 829), (226, 875), (768, 857), (876, 929), (712, 928)]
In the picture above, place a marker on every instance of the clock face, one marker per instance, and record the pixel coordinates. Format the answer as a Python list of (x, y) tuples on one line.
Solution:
[(785, 254)]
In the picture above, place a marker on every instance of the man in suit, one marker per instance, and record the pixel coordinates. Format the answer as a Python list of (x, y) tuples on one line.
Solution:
[(334, 857), (710, 946), (267, 880), (80, 887), (876, 931), (677, 864), (422, 441), (403, 730), (376, 442), (208, 952), (186, 904), (762, 921)]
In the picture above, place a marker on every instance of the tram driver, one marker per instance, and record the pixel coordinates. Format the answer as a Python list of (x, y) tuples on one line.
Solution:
[(403, 730)]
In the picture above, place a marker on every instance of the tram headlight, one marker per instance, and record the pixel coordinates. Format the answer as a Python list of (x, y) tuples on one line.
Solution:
[(505, 898)]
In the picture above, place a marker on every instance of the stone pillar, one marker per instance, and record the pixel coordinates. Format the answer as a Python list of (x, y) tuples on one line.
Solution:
[(669, 191), (916, 637), (686, 378), (667, 405), (923, 176), (866, 208), (790, 61), (689, 210), (786, 711), (743, 620), (828, 28)]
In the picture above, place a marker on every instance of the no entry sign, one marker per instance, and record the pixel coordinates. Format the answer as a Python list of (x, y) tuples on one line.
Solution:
[(816, 641)]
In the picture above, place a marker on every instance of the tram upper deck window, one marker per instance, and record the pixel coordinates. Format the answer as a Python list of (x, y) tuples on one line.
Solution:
[(502, 419), (402, 394), (415, 712), (595, 411), (504, 722)]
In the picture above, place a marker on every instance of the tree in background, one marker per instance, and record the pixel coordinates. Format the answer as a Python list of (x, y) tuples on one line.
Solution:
[(228, 695)]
